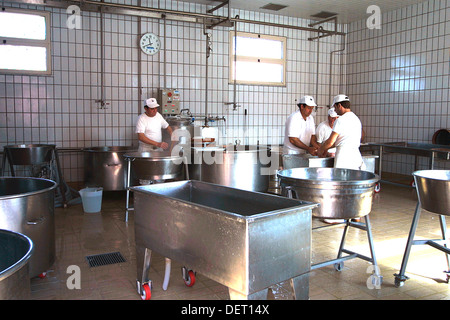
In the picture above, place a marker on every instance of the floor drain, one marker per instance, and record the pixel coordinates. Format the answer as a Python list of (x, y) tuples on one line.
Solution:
[(104, 259)]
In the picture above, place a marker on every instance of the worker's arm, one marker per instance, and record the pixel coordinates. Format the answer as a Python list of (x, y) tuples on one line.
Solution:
[(143, 138), (296, 142), (329, 143)]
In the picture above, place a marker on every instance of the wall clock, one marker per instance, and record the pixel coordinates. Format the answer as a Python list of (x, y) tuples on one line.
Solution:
[(150, 43)]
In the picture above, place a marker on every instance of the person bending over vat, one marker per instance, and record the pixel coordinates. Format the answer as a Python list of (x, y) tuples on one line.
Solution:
[(149, 126), (346, 136), (299, 128)]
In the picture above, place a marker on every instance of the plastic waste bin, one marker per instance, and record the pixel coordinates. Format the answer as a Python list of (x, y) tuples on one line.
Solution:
[(92, 199)]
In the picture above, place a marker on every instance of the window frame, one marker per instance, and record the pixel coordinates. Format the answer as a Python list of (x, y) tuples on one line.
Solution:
[(19, 42), (281, 61)]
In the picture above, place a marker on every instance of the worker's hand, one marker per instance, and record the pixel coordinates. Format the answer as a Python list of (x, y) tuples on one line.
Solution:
[(164, 145), (312, 151), (322, 153)]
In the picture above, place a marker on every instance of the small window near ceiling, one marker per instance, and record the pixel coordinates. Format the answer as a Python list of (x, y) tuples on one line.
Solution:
[(25, 42), (257, 59)]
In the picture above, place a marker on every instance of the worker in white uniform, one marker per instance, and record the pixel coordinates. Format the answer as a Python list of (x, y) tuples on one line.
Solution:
[(149, 126), (346, 136), (299, 128), (323, 131)]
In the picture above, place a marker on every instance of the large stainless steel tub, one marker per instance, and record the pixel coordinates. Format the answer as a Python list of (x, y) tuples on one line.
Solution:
[(105, 167), (155, 165), (433, 190), (341, 193), (243, 167), (27, 205), (244, 240), (29, 154), (291, 161), (15, 252)]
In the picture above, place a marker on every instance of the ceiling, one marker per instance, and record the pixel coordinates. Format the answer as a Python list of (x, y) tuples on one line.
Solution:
[(347, 10)]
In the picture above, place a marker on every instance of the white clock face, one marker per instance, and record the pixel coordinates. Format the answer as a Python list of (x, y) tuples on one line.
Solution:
[(150, 43)]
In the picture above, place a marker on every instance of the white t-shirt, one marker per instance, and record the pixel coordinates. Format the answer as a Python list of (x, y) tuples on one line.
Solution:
[(323, 132), (297, 127), (349, 128), (151, 127)]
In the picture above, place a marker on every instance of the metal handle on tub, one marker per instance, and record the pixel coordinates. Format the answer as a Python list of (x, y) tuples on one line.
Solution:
[(37, 221)]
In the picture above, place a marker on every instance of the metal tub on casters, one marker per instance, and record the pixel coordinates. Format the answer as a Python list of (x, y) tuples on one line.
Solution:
[(433, 189), (342, 194), (244, 240)]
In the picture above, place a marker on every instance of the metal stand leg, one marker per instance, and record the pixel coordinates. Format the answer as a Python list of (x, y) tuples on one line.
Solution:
[(127, 204), (4, 163), (143, 260), (444, 237), (60, 178), (400, 277), (300, 286)]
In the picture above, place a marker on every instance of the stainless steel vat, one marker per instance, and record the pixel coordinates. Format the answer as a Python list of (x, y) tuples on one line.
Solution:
[(155, 165), (29, 154), (15, 251), (244, 240), (291, 161), (105, 167), (341, 193), (182, 127), (27, 206), (433, 190), (244, 167)]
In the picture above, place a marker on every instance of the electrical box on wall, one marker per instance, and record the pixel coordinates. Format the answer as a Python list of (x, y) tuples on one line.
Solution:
[(169, 100)]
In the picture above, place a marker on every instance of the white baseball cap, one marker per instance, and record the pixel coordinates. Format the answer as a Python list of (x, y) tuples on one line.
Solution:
[(151, 103), (308, 100), (332, 113), (339, 98)]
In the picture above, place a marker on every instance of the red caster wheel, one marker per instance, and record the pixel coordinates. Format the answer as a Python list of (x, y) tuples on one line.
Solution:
[(377, 188), (146, 292), (190, 281), (42, 275)]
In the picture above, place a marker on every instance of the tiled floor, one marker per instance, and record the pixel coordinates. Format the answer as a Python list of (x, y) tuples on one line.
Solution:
[(80, 234)]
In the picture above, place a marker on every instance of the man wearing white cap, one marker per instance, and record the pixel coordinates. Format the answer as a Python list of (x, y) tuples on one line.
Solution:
[(299, 128), (324, 129), (346, 136), (149, 126)]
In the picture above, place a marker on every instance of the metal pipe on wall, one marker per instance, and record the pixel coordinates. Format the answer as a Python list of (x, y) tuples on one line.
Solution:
[(340, 71), (131, 10)]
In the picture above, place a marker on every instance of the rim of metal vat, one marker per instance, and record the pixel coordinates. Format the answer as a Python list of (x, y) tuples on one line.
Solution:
[(297, 174), (26, 146), (52, 185), (152, 156), (299, 203), (110, 149), (22, 261), (442, 175)]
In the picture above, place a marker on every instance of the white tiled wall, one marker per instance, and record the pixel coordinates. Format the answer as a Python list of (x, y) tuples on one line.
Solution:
[(61, 109), (398, 77)]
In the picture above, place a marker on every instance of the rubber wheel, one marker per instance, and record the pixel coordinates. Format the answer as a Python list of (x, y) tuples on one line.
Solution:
[(42, 275), (191, 279), (146, 292), (339, 266), (398, 283)]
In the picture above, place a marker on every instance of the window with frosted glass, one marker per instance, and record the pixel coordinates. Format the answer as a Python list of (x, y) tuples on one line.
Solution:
[(25, 42), (257, 59)]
